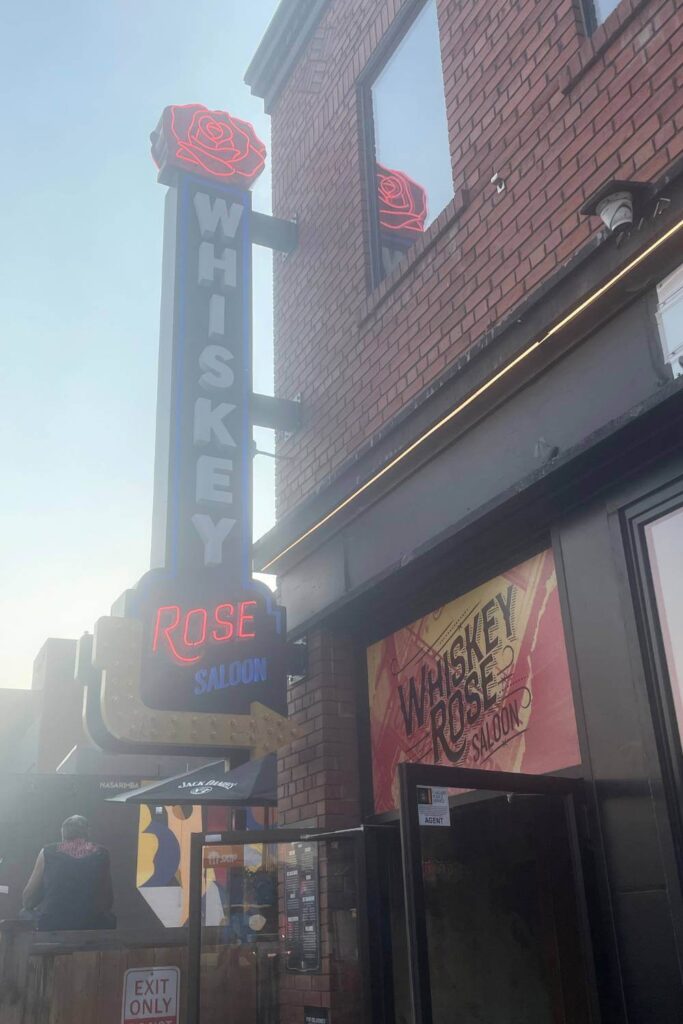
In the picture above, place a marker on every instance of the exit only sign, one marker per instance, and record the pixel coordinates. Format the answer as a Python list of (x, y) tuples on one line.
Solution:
[(150, 995)]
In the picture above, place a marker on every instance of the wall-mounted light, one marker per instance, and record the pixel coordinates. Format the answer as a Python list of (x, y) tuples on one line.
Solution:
[(619, 204)]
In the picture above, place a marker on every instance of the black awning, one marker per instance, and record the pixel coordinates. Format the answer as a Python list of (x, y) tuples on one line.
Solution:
[(253, 784)]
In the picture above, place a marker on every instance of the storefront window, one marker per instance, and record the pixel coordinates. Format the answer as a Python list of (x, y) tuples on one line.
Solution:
[(412, 163), (279, 932), (665, 549)]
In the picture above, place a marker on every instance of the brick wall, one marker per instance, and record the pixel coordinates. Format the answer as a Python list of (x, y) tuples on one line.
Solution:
[(528, 96), (318, 784), (318, 773)]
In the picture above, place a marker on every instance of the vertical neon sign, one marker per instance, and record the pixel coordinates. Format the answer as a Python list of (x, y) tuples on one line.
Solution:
[(197, 633), (202, 491)]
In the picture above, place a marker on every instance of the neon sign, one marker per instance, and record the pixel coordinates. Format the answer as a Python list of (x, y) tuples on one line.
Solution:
[(175, 629), (209, 628), (402, 203), (212, 143), (202, 490), (205, 638)]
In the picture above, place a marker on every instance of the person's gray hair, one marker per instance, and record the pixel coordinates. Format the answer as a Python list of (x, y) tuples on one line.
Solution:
[(75, 827)]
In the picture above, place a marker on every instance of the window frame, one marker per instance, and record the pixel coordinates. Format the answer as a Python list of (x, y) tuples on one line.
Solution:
[(386, 48), (634, 519), (590, 17)]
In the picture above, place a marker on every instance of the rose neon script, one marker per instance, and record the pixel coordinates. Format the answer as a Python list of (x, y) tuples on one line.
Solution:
[(184, 635)]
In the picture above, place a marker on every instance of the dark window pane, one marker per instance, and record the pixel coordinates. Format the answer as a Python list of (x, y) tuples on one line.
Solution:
[(503, 929), (414, 179)]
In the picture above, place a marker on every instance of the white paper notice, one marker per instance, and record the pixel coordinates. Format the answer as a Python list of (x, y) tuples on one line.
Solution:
[(432, 806)]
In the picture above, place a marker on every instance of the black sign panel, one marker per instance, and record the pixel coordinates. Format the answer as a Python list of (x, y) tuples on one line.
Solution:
[(302, 908), (209, 646), (202, 493)]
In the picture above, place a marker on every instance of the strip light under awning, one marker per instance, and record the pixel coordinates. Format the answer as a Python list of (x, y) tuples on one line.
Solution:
[(477, 393)]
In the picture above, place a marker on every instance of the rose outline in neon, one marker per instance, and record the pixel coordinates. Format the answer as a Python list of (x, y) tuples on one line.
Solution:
[(402, 202), (213, 143)]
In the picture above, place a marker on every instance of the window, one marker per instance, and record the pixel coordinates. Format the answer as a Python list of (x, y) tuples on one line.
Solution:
[(670, 319), (664, 539), (598, 11), (603, 9), (411, 174), (654, 543)]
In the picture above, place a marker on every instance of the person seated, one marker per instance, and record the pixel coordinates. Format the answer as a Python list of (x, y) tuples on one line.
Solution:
[(70, 887)]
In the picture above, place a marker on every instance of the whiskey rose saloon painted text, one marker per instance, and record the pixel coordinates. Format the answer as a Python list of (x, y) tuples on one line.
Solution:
[(482, 682)]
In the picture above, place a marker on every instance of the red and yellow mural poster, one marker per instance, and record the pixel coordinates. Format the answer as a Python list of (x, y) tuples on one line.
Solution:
[(483, 682), (163, 863)]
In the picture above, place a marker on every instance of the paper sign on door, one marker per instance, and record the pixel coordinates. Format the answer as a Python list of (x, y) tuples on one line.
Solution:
[(432, 805)]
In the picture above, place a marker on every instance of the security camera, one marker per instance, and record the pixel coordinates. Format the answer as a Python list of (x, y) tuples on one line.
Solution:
[(619, 203), (616, 211)]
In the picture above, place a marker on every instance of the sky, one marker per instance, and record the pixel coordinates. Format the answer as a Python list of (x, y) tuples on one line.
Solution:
[(81, 212)]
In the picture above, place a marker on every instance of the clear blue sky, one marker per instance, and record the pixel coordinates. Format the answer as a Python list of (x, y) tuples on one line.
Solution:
[(80, 262)]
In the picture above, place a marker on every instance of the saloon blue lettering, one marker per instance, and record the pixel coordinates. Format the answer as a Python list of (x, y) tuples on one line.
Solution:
[(235, 673)]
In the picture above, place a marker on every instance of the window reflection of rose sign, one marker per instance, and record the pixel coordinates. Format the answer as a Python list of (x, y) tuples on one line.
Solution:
[(402, 212)]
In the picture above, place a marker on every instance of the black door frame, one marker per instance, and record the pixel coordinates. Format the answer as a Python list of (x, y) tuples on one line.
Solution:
[(202, 839), (570, 790)]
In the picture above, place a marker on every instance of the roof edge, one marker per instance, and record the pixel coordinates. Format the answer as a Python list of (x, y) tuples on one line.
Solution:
[(280, 49)]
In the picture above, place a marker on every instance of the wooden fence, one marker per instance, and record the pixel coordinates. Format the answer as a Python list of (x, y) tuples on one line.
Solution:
[(76, 977)]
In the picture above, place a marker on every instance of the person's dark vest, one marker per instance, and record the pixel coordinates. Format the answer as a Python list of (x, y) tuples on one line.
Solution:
[(74, 886)]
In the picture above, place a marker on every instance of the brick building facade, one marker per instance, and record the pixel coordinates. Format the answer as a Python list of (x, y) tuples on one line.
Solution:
[(529, 95), (491, 406)]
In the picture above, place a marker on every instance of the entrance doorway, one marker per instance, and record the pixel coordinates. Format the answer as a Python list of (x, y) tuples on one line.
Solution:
[(274, 936), (497, 928), (480, 919)]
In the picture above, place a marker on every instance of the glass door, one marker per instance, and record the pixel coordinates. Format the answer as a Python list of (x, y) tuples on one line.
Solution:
[(497, 922), (274, 928)]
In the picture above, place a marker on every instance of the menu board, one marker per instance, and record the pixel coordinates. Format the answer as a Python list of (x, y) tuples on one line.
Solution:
[(302, 908)]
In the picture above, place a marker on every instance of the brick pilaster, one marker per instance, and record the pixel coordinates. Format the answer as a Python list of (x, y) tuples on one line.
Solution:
[(318, 784), (318, 773)]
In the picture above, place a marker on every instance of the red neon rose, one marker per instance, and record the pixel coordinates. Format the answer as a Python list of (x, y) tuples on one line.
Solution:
[(208, 142), (402, 202)]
